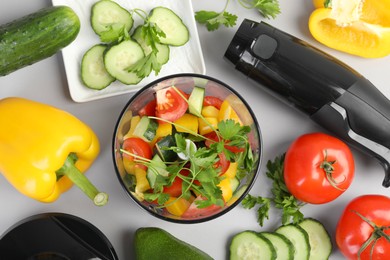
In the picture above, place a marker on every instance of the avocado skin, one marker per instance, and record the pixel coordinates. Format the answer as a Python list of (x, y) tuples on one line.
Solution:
[(155, 243)]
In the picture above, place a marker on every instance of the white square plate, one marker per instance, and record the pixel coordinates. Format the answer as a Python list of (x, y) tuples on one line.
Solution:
[(187, 58)]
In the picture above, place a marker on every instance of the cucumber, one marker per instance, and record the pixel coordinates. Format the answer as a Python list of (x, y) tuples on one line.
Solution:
[(299, 238), (163, 49), (107, 14), (157, 167), (176, 33), (251, 245), (234, 183), (284, 248), (166, 155), (195, 101), (93, 72), (146, 129), (35, 37), (319, 239), (152, 243), (120, 57)]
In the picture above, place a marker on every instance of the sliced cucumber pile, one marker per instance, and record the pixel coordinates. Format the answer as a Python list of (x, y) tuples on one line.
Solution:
[(125, 55), (307, 240)]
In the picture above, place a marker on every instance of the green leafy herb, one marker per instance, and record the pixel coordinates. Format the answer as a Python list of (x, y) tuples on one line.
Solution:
[(213, 20), (267, 8), (328, 3), (151, 34), (115, 34), (282, 198)]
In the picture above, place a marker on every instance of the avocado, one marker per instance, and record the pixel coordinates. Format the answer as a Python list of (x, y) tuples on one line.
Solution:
[(155, 243)]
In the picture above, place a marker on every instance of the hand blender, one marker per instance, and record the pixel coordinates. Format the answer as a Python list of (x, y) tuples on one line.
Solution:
[(334, 95)]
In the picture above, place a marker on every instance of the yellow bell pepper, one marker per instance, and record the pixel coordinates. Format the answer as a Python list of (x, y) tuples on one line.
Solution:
[(177, 206), (43, 150), (187, 124), (356, 27)]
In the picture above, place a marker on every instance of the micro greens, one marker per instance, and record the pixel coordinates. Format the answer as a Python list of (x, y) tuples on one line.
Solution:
[(282, 198), (212, 19), (151, 34)]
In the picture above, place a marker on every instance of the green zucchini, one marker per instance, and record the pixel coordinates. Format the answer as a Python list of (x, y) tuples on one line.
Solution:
[(37, 36)]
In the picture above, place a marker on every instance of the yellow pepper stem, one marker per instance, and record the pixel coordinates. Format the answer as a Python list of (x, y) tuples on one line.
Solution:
[(70, 170)]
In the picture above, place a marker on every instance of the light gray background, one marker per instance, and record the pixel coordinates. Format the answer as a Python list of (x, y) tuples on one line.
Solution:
[(46, 82)]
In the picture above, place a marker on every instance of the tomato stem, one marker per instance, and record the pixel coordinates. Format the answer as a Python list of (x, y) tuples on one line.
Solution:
[(329, 169), (376, 234)]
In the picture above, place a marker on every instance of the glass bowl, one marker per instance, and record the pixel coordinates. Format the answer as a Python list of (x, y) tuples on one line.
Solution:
[(205, 195)]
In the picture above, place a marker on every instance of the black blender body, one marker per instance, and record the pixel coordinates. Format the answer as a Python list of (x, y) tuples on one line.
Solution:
[(330, 92)]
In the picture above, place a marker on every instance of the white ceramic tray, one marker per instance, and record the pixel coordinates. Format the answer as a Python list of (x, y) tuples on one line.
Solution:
[(187, 58)]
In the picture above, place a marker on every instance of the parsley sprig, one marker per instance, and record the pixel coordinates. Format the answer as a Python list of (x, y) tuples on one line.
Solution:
[(151, 34), (213, 20), (282, 198)]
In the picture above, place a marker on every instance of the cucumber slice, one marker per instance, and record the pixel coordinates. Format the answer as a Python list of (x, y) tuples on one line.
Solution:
[(120, 57), (166, 155), (234, 183), (284, 248), (299, 238), (195, 101), (157, 167), (251, 245), (163, 49), (319, 239), (176, 33), (146, 129), (93, 72), (107, 13)]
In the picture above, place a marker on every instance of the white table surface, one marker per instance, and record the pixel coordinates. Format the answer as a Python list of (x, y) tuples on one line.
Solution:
[(46, 82)]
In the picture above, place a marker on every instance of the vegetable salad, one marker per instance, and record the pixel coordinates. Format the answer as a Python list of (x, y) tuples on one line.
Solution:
[(187, 153)]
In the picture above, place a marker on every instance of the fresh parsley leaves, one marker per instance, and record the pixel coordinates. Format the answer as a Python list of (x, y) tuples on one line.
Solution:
[(282, 199), (213, 20)]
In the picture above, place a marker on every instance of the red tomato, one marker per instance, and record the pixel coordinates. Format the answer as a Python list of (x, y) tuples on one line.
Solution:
[(170, 105), (149, 109), (361, 217), (222, 163), (212, 137), (212, 101), (194, 212), (304, 172), (175, 189), (138, 147)]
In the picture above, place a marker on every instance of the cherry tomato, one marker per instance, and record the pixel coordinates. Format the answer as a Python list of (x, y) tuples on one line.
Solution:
[(365, 217), (175, 189), (138, 147), (212, 101), (318, 168), (222, 163), (149, 109), (170, 105)]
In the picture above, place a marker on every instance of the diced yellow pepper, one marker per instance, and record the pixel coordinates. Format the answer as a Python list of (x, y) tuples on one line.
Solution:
[(133, 123), (209, 126), (231, 171), (227, 112), (163, 129), (177, 206), (210, 111), (187, 124), (129, 165), (142, 182), (226, 189)]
